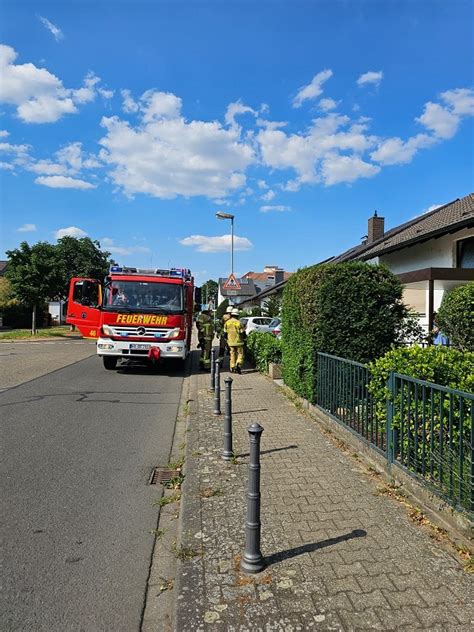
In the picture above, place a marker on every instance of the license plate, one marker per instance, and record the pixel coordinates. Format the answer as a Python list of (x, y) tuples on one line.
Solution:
[(138, 347)]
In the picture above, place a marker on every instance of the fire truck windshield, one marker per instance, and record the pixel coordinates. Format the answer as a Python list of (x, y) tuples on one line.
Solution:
[(143, 296)]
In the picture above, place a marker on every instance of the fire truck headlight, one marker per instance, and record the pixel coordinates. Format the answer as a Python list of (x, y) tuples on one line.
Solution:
[(174, 333), (107, 331), (101, 345)]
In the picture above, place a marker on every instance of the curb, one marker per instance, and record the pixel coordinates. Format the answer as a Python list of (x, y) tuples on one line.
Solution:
[(159, 604)]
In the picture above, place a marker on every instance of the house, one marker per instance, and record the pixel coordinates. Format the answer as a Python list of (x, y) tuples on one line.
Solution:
[(253, 285), (430, 254), (246, 290)]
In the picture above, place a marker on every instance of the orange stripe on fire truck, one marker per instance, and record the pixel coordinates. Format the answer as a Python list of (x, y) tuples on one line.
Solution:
[(141, 319)]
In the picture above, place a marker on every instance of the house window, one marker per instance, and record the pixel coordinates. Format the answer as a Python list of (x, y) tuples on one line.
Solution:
[(465, 253)]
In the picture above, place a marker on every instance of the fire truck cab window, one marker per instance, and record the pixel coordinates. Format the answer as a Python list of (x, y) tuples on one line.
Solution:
[(77, 294), (140, 295)]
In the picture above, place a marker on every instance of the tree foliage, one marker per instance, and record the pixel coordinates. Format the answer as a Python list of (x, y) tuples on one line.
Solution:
[(272, 305), (209, 291), (455, 317), (79, 258), (352, 310)]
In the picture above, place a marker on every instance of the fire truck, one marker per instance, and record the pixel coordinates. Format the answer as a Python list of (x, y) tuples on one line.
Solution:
[(135, 314)]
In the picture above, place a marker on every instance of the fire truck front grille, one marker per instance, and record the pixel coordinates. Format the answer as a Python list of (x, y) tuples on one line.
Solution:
[(140, 332)]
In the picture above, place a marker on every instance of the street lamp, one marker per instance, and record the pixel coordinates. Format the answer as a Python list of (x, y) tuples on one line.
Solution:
[(222, 215)]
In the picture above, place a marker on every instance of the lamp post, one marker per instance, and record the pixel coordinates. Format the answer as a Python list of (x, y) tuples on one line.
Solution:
[(222, 215)]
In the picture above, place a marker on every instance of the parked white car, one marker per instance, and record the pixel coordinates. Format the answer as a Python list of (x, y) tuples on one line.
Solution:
[(258, 323)]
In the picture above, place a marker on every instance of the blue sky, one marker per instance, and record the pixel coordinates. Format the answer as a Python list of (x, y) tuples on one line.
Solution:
[(134, 122)]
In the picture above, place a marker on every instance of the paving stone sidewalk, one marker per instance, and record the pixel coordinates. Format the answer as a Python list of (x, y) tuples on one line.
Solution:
[(339, 555)]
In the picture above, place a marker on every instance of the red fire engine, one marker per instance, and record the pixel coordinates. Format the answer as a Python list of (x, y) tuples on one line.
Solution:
[(135, 314)]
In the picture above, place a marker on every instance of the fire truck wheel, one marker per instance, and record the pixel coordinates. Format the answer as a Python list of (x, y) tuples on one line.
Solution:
[(110, 363)]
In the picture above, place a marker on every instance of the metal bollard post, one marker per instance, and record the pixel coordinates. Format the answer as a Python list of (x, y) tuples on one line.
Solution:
[(213, 369), (228, 452), (217, 388), (252, 559)]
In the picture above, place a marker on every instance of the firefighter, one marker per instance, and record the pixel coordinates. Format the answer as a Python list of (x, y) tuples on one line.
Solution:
[(205, 329), (235, 335), (222, 337)]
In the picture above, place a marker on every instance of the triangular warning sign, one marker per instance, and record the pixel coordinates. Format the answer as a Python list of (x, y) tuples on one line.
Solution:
[(231, 283)]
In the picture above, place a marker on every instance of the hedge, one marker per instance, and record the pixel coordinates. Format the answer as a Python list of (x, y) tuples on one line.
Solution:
[(455, 317), (263, 348), (352, 310)]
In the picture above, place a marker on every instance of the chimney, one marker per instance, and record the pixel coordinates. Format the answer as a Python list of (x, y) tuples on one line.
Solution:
[(376, 228), (279, 276)]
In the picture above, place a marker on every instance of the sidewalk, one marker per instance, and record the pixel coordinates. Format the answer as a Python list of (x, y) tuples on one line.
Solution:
[(340, 556)]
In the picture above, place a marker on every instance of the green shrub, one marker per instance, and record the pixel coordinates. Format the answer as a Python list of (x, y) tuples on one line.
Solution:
[(456, 317), (438, 364), (220, 311), (429, 432), (263, 348), (352, 310)]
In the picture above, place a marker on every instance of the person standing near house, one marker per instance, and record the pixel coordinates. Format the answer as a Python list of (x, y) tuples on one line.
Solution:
[(205, 329), (222, 337), (235, 339)]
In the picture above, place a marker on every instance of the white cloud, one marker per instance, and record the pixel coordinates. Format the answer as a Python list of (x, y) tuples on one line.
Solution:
[(439, 120), (279, 208), (109, 244), (461, 100), (38, 95), (328, 104), (395, 151), (54, 30), (234, 109), (329, 136), (433, 207), (216, 244), (64, 182), (129, 104), (18, 150), (313, 89), (6, 166), (27, 228), (4, 133), (160, 105), (374, 77), (336, 169), (168, 156), (268, 196), (71, 231), (262, 184)]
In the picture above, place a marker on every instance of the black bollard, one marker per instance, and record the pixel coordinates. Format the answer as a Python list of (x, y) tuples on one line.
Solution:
[(228, 453), (217, 388), (213, 369), (252, 559)]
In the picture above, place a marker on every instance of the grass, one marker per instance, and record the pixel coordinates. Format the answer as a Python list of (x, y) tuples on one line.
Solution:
[(167, 500), (185, 552), (61, 331)]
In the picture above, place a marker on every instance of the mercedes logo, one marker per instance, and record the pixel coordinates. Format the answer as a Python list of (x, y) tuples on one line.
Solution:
[(141, 331)]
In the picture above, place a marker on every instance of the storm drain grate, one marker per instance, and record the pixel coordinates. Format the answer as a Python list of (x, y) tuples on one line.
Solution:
[(162, 475)]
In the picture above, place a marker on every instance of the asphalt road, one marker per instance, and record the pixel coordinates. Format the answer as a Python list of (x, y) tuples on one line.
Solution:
[(78, 447)]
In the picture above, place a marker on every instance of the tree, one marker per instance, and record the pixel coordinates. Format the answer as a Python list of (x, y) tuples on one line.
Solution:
[(455, 317), (82, 258), (209, 291), (34, 275), (272, 305)]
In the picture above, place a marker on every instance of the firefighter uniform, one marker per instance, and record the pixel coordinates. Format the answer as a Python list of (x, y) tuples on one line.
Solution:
[(222, 339), (235, 334), (205, 329)]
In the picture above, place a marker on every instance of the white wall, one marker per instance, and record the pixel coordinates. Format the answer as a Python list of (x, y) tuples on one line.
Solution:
[(435, 253)]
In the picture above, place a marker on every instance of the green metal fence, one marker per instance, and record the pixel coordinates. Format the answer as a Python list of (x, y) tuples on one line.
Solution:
[(425, 428), (431, 436), (342, 391)]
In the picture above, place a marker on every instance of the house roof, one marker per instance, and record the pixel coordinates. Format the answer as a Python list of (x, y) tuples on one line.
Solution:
[(247, 288), (445, 219), (3, 267), (263, 276)]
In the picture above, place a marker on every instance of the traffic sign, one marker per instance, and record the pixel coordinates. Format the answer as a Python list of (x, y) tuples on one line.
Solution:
[(231, 283)]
